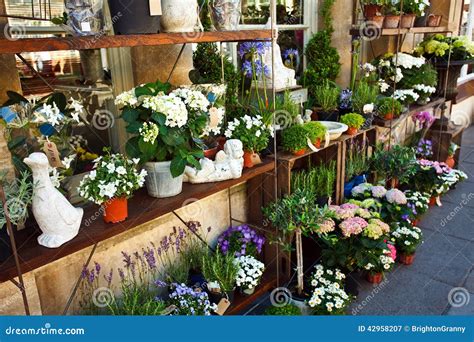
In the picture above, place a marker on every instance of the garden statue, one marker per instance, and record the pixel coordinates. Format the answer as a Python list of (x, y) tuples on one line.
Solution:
[(228, 165), (57, 218), (284, 76)]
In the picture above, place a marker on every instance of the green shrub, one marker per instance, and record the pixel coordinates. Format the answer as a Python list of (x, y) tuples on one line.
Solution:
[(220, 268), (389, 105), (295, 138), (327, 96), (319, 180), (398, 162), (363, 94), (316, 130), (287, 310), (353, 120)]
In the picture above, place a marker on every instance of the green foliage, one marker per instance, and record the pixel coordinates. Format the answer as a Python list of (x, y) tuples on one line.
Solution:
[(327, 96), (426, 74), (389, 105), (442, 47), (364, 94), (319, 180), (19, 195), (287, 310), (353, 120), (208, 69), (287, 106), (295, 138), (316, 130), (357, 162), (180, 145), (221, 268), (323, 59), (398, 162)]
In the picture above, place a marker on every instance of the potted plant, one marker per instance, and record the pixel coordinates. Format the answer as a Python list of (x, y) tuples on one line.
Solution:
[(377, 263), (418, 203), (166, 127), (354, 121), (18, 195), (295, 139), (451, 151), (406, 238), (319, 180), (392, 15), (411, 10), (316, 132), (373, 8), (249, 274), (111, 183), (241, 240), (253, 133), (389, 108), (434, 20), (396, 165), (328, 296), (190, 302), (220, 269), (327, 98)]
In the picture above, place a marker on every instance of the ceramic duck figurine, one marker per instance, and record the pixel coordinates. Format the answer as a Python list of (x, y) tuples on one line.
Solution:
[(57, 218)]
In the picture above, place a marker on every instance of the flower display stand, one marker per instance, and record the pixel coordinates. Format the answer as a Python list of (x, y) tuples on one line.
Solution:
[(442, 140)]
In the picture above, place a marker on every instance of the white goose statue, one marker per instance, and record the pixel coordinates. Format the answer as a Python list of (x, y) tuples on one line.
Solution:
[(57, 218)]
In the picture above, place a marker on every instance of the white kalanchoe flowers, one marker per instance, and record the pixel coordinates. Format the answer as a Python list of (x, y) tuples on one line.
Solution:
[(149, 132), (250, 272)]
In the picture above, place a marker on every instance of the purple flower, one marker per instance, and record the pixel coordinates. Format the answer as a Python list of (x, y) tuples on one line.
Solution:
[(240, 240), (121, 274), (160, 283), (150, 258), (345, 99), (127, 259), (253, 48), (97, 267), (108, 277), (293, 53)]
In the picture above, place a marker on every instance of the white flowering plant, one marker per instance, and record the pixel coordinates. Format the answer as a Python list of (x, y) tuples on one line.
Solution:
[(406, 238), (113, 176), (418, 202), (251, 130), (378, 260), (328, 296), (250, 272), (167, 125)]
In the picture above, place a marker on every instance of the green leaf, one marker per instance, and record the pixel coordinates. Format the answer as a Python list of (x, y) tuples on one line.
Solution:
[(131, 147), (14, 98), (177, 166), (129, 115), (159, 118), (147, 149), (173, 138), (134, 127), (143, 91), (58, 21)]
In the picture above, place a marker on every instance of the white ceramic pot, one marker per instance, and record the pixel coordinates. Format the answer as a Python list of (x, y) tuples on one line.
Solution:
[(249, 292), (159, 181), (179, 16)]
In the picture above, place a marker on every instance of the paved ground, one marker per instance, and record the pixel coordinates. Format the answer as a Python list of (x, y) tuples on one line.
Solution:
[(441, 281)]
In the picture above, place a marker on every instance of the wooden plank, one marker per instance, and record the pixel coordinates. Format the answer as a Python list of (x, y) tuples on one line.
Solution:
[(142, 209), (98, 41), (359, 30)]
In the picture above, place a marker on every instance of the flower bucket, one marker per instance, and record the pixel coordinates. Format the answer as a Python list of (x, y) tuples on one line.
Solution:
[(115, 210), (434, 20), (388, 116), (375, 278), (248, 159), (450, 161), (406, 259), (432, 201), (407, 21), (299, 152), (352, 131), (225, 14), (179, 16), (391, 21), (415, 222), (378, 20), (159, 181)]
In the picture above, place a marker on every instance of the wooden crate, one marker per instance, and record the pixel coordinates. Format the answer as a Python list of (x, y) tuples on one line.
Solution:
[(442, 140), (369, 137)]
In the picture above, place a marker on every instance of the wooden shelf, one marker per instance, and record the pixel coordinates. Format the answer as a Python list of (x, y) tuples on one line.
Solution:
[(97, 42), (142, 209), (359, 30)]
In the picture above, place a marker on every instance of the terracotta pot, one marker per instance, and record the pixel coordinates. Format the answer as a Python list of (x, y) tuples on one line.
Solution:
[(393, 183), (221, 142), (391, 21), (406, 259), (371, 11), (415, 222), (211, 153), (352, 131), (248, 159), (388, 116), (115, 210), (450, 161), (378, 20), (299, 152), (375, 278), (432, 201), (317, 143), (407, 21), (434, 20)]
